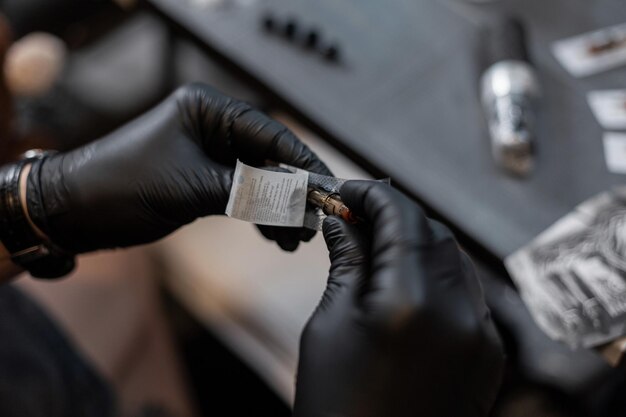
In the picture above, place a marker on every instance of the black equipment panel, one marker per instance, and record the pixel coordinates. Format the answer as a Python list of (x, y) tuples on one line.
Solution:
[(401, 92)]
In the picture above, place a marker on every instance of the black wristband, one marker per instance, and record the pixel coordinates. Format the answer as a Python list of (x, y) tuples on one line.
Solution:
[(42, 259)]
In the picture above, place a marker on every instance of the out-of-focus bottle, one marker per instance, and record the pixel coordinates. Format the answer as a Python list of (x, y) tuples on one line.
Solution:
[(34, 63), (509, 93)]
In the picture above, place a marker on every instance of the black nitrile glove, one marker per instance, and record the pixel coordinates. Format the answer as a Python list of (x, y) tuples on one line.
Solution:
[(161, 171), (402, 329)]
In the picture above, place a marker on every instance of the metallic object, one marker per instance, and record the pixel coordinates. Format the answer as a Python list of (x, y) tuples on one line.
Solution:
[(509, 91), (331, 204)]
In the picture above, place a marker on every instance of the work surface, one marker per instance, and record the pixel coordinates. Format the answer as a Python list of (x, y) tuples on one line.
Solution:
[(403, 98)]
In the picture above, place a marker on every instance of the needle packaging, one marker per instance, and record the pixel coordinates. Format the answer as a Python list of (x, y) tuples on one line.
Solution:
[(279, 197), (592, 52)]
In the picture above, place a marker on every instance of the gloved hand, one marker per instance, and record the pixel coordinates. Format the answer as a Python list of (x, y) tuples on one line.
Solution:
[(402, 328), (161, 171)]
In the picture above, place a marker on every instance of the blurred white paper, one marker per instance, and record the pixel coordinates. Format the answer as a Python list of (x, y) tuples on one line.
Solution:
[(572, 277), (609, 107), (592, 52), (615, 152), (267, 197)]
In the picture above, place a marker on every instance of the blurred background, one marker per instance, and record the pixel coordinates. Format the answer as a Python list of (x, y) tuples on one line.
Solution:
[(207, 321)]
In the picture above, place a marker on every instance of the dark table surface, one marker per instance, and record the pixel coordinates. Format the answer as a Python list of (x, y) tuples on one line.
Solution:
[(404, 98)]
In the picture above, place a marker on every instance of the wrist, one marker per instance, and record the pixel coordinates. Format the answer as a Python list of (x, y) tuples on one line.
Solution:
[(23, 186), (27, 248)]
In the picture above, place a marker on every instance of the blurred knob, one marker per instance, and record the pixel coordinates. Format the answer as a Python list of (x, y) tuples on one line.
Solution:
[(269, 22), (312, 38), (331, 52), (290, 28)]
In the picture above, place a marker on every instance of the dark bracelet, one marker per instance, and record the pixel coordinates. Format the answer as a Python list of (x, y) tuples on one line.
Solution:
[(39, 257)]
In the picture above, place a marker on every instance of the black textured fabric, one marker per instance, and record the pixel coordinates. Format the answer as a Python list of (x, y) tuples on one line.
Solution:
[(41, 375)]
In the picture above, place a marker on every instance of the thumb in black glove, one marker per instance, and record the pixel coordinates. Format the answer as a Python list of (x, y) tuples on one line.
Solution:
[(161, 171), (402, 328)]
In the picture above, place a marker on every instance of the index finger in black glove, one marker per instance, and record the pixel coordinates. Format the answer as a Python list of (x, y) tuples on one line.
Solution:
[(229, 129), (403, 237), (232, 129)]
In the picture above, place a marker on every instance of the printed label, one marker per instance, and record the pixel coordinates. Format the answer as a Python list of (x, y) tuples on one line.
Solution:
[(609, 107), (267, 197), (592, 52)]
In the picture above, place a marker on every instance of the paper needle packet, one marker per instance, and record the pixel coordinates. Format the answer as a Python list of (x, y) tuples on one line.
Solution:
[(592, 52), (267, 197), (286, 196), (609, 108), (615, 152)]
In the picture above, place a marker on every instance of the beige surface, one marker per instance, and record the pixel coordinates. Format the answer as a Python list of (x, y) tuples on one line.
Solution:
[(614, 352), (255, 297), (111, 310)]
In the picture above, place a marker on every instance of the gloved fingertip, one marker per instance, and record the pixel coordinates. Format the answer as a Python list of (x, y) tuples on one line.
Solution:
[(345, 242), (330, 226), (320, 167), (336, 231), (306, 235), (267, 232), (221, 198), (353, 193), (288, 245)]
